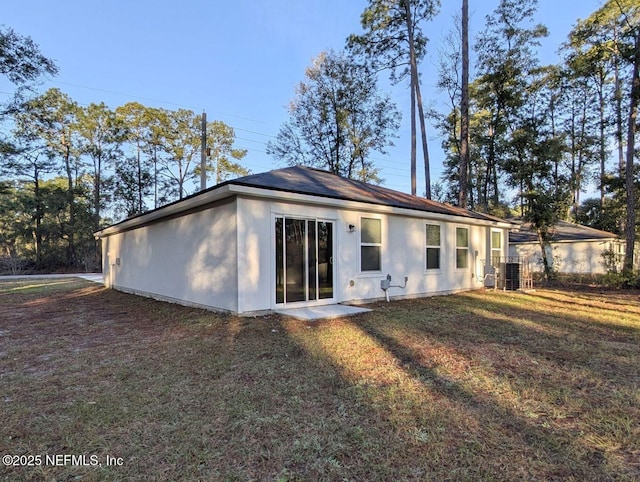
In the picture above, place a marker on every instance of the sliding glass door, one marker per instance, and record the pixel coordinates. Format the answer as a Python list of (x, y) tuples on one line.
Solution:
[(304, 260)]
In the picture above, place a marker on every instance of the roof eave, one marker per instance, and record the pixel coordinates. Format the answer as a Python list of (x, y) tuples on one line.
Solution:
[(359, 205), (230, 189), (207, 197)]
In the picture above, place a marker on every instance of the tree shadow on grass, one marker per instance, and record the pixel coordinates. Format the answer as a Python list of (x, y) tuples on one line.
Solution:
[(537, 444), (581, 301), (221, 397), (583, 317), (581, 341)]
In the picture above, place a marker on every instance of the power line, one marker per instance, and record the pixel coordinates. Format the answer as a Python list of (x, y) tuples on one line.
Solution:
[(390, 167), (251, 140), (253, 132), (153, 100), (271, 136)]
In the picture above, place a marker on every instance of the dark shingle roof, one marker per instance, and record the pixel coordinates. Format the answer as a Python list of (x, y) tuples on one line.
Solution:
[(563, 231), (315, 182), (307, 181)]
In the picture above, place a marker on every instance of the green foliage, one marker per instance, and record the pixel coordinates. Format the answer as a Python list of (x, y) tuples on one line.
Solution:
[(101, 134), (499, 101), (138, 172), (180, 137), (14, 217), (133, 186), (544, 207), (393, 40), (19, 250), (606, 218), (541, 134), (48, 221), (22, 63), (386, 37), (337, 119), (622, 279), (221, 154), (506, 55)]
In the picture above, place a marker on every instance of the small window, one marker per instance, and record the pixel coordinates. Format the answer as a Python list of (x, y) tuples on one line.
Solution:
[(462, 248), (496, 247), (433, 246), (370, 244)]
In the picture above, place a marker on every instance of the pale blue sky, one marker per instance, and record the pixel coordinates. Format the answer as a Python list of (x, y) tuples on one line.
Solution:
[(238, 60)]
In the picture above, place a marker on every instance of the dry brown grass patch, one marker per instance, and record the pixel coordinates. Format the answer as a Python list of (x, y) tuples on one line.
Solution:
[(477, 386)]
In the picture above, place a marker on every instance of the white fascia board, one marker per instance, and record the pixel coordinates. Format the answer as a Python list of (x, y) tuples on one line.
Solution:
[(359, 206), (166, 211), (567, 241), (590, 240)]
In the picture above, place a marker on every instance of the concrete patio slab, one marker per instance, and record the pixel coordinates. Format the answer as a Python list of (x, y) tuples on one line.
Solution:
[(322, 312)]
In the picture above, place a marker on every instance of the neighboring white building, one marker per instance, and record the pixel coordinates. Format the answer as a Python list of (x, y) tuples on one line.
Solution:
[(299, 237), (575, 249)]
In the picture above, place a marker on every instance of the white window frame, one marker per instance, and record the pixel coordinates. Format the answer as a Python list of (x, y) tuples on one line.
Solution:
[(466, 248), (429, 246), (364, 244), (496, 252)]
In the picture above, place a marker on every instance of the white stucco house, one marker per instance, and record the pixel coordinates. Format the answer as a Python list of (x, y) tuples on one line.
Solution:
[(299, 237), (575, 249)]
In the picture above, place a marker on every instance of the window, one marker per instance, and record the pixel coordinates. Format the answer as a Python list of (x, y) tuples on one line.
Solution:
[(433, 246), (462, 248), (370, 244), (496, 247)]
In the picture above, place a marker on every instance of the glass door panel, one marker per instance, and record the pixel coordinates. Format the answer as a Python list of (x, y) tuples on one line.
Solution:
[(312, 261), (303, 260), (279, 260), (295, 259), (325, 260)]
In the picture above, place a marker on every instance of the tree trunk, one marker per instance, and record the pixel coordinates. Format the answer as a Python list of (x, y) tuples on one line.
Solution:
[(494, 181), (71, 247), (603, 141), (155, 176), (414, 82), (423, 132), (96, 193), (139, 174), (39, 215), (545, 260), (97, 251), (414, 187), (630, 228), (336, 166), (487, 175), (619, 127), (464, 109), (618, 99), (577, 167)]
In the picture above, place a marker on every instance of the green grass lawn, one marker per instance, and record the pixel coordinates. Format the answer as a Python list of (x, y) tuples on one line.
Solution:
[(475, 386)]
